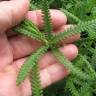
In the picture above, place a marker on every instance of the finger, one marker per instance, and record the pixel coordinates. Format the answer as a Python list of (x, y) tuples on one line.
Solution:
[(53, 73), (36, 18), (23, 46), (12, 12), (70, 51), (58, 18), (69, 39), (6, 56)]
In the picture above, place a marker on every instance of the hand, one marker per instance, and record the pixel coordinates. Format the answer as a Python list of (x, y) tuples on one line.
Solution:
[(15, 48)]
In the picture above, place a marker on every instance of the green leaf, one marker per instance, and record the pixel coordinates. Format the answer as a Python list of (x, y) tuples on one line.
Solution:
[(86, 90), (70, 85), (73, 70), (91, 70), (81, 27), (35, 81), (46, 19), (30, 63), (70, 15), (29, 29)]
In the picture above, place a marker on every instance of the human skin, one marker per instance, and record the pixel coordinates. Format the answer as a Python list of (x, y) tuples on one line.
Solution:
[(14, 49)]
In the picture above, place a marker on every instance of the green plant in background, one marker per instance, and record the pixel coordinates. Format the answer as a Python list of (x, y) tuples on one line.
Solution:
[(82, 78)]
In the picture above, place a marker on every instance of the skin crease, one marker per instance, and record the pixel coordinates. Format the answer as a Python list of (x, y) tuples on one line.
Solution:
[(15, 49)]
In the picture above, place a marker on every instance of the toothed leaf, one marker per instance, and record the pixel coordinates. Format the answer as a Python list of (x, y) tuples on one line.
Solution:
[(29, 29), (46, 19), (81, 27), (73, 70), (30, 63)]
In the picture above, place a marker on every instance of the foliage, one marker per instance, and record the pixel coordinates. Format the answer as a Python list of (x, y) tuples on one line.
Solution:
[(82, 78)]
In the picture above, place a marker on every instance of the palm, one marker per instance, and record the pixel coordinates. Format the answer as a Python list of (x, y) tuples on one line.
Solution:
[(8, 72)]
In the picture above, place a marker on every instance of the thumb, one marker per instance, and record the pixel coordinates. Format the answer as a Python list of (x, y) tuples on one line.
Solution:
[(12, 12)]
